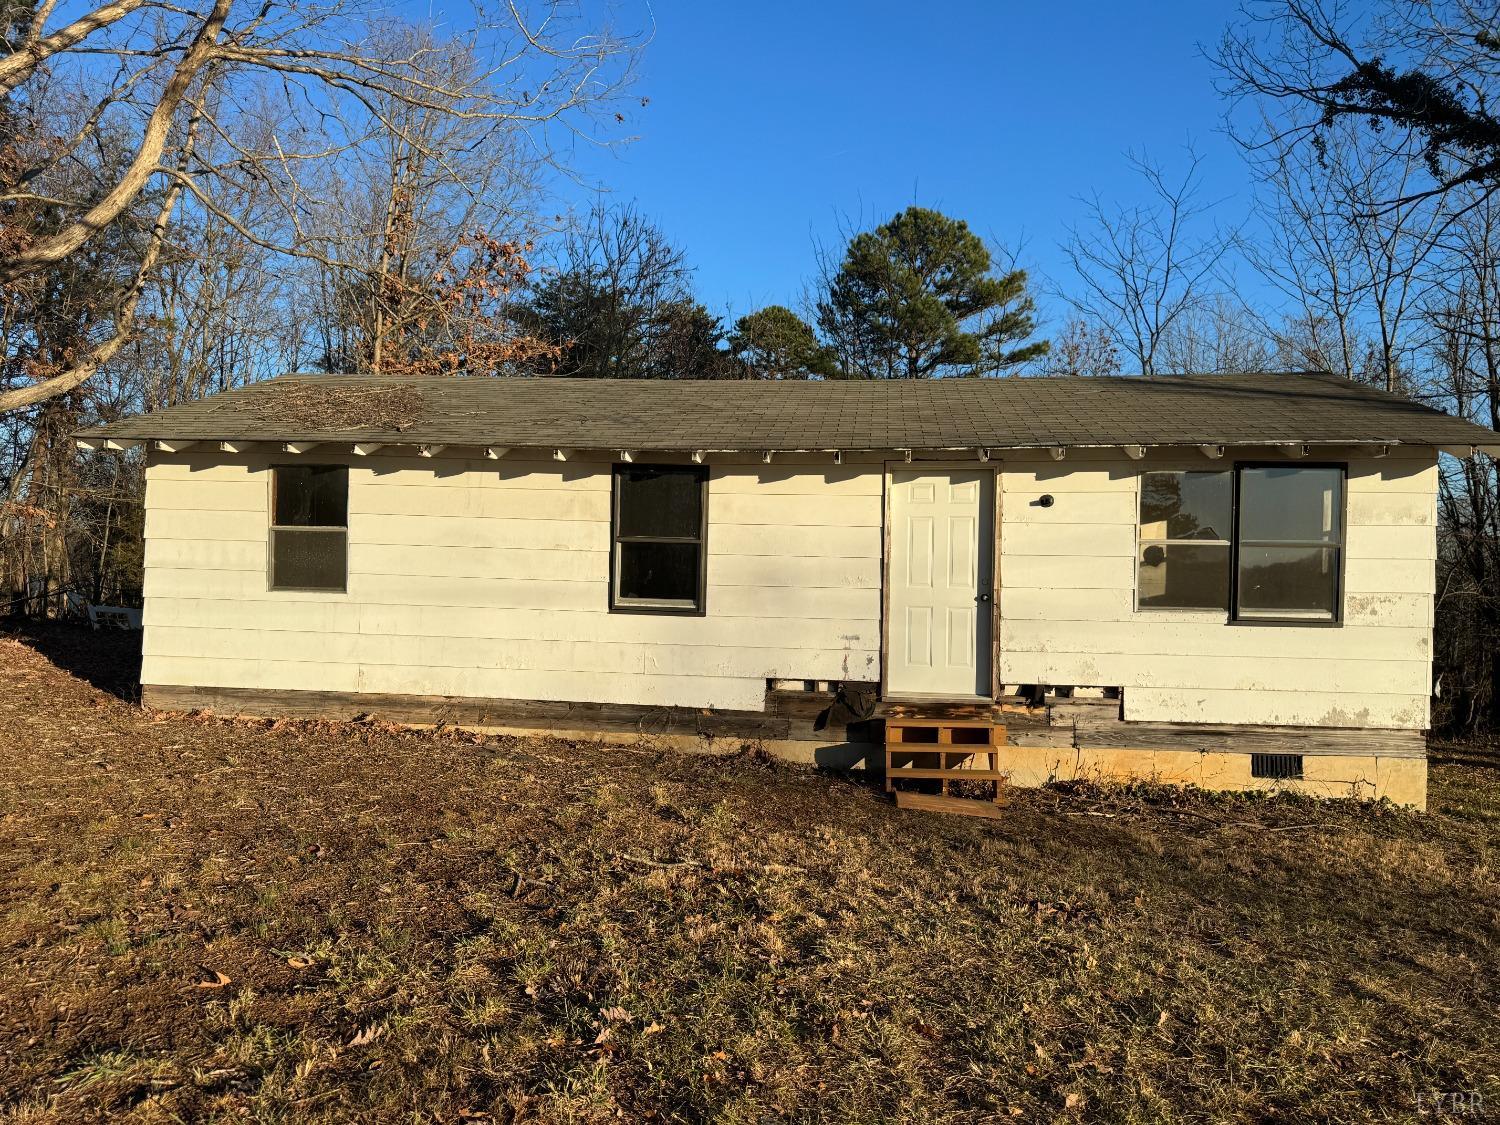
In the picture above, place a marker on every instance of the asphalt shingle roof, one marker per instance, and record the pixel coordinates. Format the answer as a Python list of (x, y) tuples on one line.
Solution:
[(782, 416)]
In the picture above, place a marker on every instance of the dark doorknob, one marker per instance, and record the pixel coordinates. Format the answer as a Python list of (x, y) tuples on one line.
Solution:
[(983, 598)]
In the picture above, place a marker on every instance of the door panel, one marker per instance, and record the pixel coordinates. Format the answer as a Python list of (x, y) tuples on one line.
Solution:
[(919, 551), (960, 638), (919, 636), (942, 547)]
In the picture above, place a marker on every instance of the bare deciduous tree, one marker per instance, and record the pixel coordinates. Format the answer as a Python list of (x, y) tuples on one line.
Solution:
[(1083, 347), (1461, 323), (1350, 261), (1142, 268), (395, 212), (326, 79), (1379, 153), (1416, 77), (618, 299), (1217, 334)]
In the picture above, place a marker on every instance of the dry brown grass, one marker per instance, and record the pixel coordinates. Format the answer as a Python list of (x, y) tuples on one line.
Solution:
[(205, 920)]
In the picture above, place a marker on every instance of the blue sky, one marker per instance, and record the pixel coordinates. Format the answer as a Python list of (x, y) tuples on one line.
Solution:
[(769, 120)]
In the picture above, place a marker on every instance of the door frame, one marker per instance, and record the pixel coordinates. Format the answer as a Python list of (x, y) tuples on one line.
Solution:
[(887, 471)]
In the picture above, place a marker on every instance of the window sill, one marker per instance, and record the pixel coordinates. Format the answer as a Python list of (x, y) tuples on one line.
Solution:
[(658, 609), (1294, 622)]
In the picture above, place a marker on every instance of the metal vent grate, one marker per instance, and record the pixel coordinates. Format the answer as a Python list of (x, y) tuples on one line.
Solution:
[(1280, 767)]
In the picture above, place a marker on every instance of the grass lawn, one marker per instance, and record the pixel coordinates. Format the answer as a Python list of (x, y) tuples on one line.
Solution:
[(210, 920)]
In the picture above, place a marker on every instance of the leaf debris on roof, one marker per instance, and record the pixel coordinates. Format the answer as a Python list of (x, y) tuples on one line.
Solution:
[(338, 406)]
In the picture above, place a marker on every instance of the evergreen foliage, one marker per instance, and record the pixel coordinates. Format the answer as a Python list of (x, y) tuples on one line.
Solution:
[(917, 298), (776, 343)]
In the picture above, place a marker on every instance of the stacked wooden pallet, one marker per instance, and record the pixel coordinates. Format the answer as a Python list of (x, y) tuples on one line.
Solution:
[(947, 749)]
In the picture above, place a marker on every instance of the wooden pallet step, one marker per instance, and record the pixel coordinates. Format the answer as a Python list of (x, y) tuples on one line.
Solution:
[(901, 736), (942, 732), (951, 775), (963, 806), (945, 750), (953, 742), (918, 720)]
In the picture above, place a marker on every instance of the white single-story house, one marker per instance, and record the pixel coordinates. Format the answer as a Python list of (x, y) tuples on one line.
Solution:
[(1218, 580)]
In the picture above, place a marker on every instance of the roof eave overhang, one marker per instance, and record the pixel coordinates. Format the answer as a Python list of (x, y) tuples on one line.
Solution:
[(99, 439)]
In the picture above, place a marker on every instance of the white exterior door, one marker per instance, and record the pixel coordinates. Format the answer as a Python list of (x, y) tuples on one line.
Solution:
[(942, 537)]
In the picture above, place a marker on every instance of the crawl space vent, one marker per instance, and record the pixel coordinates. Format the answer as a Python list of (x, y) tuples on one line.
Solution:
[(1280, 767)]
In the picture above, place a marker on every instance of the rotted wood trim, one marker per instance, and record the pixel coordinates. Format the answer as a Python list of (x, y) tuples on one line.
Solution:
[(429, 710), (789, 716), (1066, 712), (1103, 734)]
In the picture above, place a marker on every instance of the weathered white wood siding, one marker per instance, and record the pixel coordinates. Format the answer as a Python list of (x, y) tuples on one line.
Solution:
[(491, 579), (1068, 616)]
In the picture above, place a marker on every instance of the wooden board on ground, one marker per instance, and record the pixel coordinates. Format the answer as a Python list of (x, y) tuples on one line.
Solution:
[(963, 806)]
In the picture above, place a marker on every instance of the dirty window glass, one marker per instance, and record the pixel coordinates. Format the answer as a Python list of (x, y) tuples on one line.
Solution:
[(309, 527), (660, 503), (312, 496), (658, 562), (1184, 575), (309, 560), (1290, 505)]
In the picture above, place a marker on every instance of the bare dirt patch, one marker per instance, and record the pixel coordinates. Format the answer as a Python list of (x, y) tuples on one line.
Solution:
[(202, 919)]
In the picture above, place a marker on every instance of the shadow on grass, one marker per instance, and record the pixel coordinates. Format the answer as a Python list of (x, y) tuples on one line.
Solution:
[(1477, 755), (109, 660)]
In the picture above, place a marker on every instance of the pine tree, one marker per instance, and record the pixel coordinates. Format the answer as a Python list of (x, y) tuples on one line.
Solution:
[(776, 343), (915, 298)]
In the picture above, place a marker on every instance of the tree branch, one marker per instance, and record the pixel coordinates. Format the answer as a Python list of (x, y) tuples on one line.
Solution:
[(102, 353), (15, 68), (52, 250)]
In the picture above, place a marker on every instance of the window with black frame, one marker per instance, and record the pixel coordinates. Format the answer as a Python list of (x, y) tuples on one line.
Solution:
[(1289, 541), (309, 527), (1264, 542), (659, 521)]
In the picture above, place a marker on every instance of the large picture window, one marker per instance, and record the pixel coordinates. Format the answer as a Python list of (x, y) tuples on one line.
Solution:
[(659, 521), (309, 527), (1289, 540), (1263, 542)]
